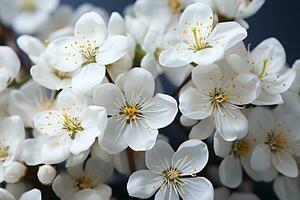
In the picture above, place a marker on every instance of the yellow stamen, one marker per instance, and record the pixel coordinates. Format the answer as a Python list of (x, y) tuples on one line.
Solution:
[(262, 73)]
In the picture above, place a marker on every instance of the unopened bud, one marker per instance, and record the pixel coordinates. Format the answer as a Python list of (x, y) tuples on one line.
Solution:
[(14, 172), (46, 174)]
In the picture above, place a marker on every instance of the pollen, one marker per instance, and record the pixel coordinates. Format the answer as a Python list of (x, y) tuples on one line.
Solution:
[(83, 182), (217, 97), (175, 6), (72, 125), (276, 141), (131, 112), (3, 153), (241, 148), (172, 176)]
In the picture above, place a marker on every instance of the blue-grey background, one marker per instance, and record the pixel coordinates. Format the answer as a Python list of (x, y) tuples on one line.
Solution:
[(277, 18)]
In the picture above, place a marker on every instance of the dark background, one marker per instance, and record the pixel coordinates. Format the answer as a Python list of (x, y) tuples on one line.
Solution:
[(277, 18)]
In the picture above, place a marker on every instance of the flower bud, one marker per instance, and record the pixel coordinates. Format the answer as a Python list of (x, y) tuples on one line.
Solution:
[(14, 172), (46, 174)]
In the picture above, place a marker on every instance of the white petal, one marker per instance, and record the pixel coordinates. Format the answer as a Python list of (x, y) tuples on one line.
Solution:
[(107, 95), (244, 89), (91, 26), (139, 136), (113, 140), (222, 147), (227, 34), (203, 129), (286, 188), (88, 194), (261, 157), (191, 157), (176, 56), (196, 188), (145, 88), (278, 83), (230, 172), (100, 171), (32, 46), (162, 112), (194, 105), (206, 78), (231, 124), (31, 153), (5, 195), (55, 150), (71, 101), (84, 140), (116, 24), (77, 159), (33, 194), (285, 164), (88, 77), (63, 186), (9, 60), (112, 50), (143, 184), (159, 157), (267, 99), (208, 56), (167, 192)]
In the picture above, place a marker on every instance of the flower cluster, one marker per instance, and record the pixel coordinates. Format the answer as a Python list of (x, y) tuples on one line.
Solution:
[(84, 110)]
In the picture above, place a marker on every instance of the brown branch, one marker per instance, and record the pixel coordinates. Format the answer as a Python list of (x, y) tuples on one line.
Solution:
[(176, 92), (131, 160)]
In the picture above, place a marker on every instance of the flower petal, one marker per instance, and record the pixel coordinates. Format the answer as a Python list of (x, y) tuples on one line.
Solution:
[(196, 188), (261, 157), (285, 164), (143, 184), (163, 106), (191, 157), (88, 77), (159, 157), (230, 172), (115, 47), (203, 129)]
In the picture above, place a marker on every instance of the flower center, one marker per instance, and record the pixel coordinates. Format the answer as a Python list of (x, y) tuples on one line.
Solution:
[(217, 97), (83, 182), (62, 75), (241, 148), (199, 41), (3, 153), (172, 175), (263, 70), (72, 125), (276, 141), (28, 5), (131, 112), (175, 6), (88, 55)]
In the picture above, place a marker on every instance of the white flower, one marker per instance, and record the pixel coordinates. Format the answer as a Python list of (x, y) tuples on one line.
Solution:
[(278, 141), (235, 9), (218, 99), (33, 194), (170, 173), (46, 174), (236, 156), (12, 134), (292, 96), (72, 128), (267, 62), (88, 51), (200, 41), (81, 182), (30, 99), (26, 16), (9, 66), (224, 194), (286, 188), (135, 114)]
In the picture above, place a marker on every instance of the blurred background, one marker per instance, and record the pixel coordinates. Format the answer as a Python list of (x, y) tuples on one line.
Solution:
[(277, 18)]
